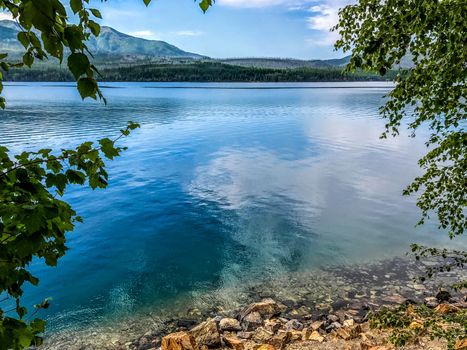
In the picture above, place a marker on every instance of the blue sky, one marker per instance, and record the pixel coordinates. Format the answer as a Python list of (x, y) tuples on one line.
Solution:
[(232, 28)]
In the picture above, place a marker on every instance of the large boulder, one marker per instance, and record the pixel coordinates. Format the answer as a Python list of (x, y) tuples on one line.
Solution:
[(179, 341), (206, 333), (251, 321), (267, 308), (229, 325)]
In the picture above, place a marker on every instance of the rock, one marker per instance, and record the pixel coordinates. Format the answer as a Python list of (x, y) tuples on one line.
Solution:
[(294, 325), (343, 333), (206, 333), (185, 323), (446, 309), (229, 325), (266, 308), (280, 340), (266, 347), (333, 326), (419, 287), (179, 341), (245, 335), (348, 323), (251, 321), (461, 344), (272, 325), (233, 342), (443, 296), (315, 336), (394, 299), (333, 318), (317, 325), (295, 335), (262, 335), (302, 312), (431, 302)]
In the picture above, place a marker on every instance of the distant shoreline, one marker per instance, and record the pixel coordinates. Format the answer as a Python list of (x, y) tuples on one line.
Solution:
[(388, 85)]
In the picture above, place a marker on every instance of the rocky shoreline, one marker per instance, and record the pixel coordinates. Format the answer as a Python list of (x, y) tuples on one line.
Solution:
[(269, 325), (336, 296)]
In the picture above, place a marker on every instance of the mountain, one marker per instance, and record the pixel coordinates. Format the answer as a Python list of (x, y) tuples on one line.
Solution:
[(109, 42)]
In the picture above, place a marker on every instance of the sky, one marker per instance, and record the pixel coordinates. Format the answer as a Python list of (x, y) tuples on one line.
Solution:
[(232, 28)]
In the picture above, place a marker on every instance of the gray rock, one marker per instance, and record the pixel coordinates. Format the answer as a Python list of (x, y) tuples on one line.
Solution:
[(431, 302), (294, 325)]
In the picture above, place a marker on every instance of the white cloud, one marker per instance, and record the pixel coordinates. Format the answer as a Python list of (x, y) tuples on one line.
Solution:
[(189, 33), (262, 3), (145, 34), (323, 17), (5, 15)]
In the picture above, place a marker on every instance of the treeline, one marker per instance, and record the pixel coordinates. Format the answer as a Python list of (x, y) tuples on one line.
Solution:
[(198, 72)]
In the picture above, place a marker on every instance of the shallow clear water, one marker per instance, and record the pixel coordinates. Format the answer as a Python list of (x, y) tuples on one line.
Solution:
[(223, 184)]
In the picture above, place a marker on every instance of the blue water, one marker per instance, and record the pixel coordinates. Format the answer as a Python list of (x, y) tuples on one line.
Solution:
[(223, 183)]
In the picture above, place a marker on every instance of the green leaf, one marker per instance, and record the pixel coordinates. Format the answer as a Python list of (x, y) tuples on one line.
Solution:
[(28, 59), (78, 63), (94, 27), (76, 5), (87, 87), (96, 13), (205, 4), (74, 37), (23, 38), (108, 148)]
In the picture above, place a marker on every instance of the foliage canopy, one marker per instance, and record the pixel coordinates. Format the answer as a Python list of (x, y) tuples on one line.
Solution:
[(433, 93)]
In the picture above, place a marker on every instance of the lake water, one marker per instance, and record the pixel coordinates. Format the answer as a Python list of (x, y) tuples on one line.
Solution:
[(224, 184)]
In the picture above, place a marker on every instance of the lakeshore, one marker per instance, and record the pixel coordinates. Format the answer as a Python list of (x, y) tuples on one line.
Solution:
[(333, 298)]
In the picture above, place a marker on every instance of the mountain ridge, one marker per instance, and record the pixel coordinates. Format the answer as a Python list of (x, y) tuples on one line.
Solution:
[(109, 42), (116, 47)]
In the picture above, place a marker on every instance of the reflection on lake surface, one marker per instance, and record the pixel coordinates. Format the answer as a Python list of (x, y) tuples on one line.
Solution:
[(224, 184)]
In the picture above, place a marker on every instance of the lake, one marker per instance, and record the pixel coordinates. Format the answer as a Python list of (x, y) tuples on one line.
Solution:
[(223, 185)]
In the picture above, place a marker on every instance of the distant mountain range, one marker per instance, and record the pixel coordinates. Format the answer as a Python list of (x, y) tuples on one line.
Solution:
[(114, 47), (109, 42)]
